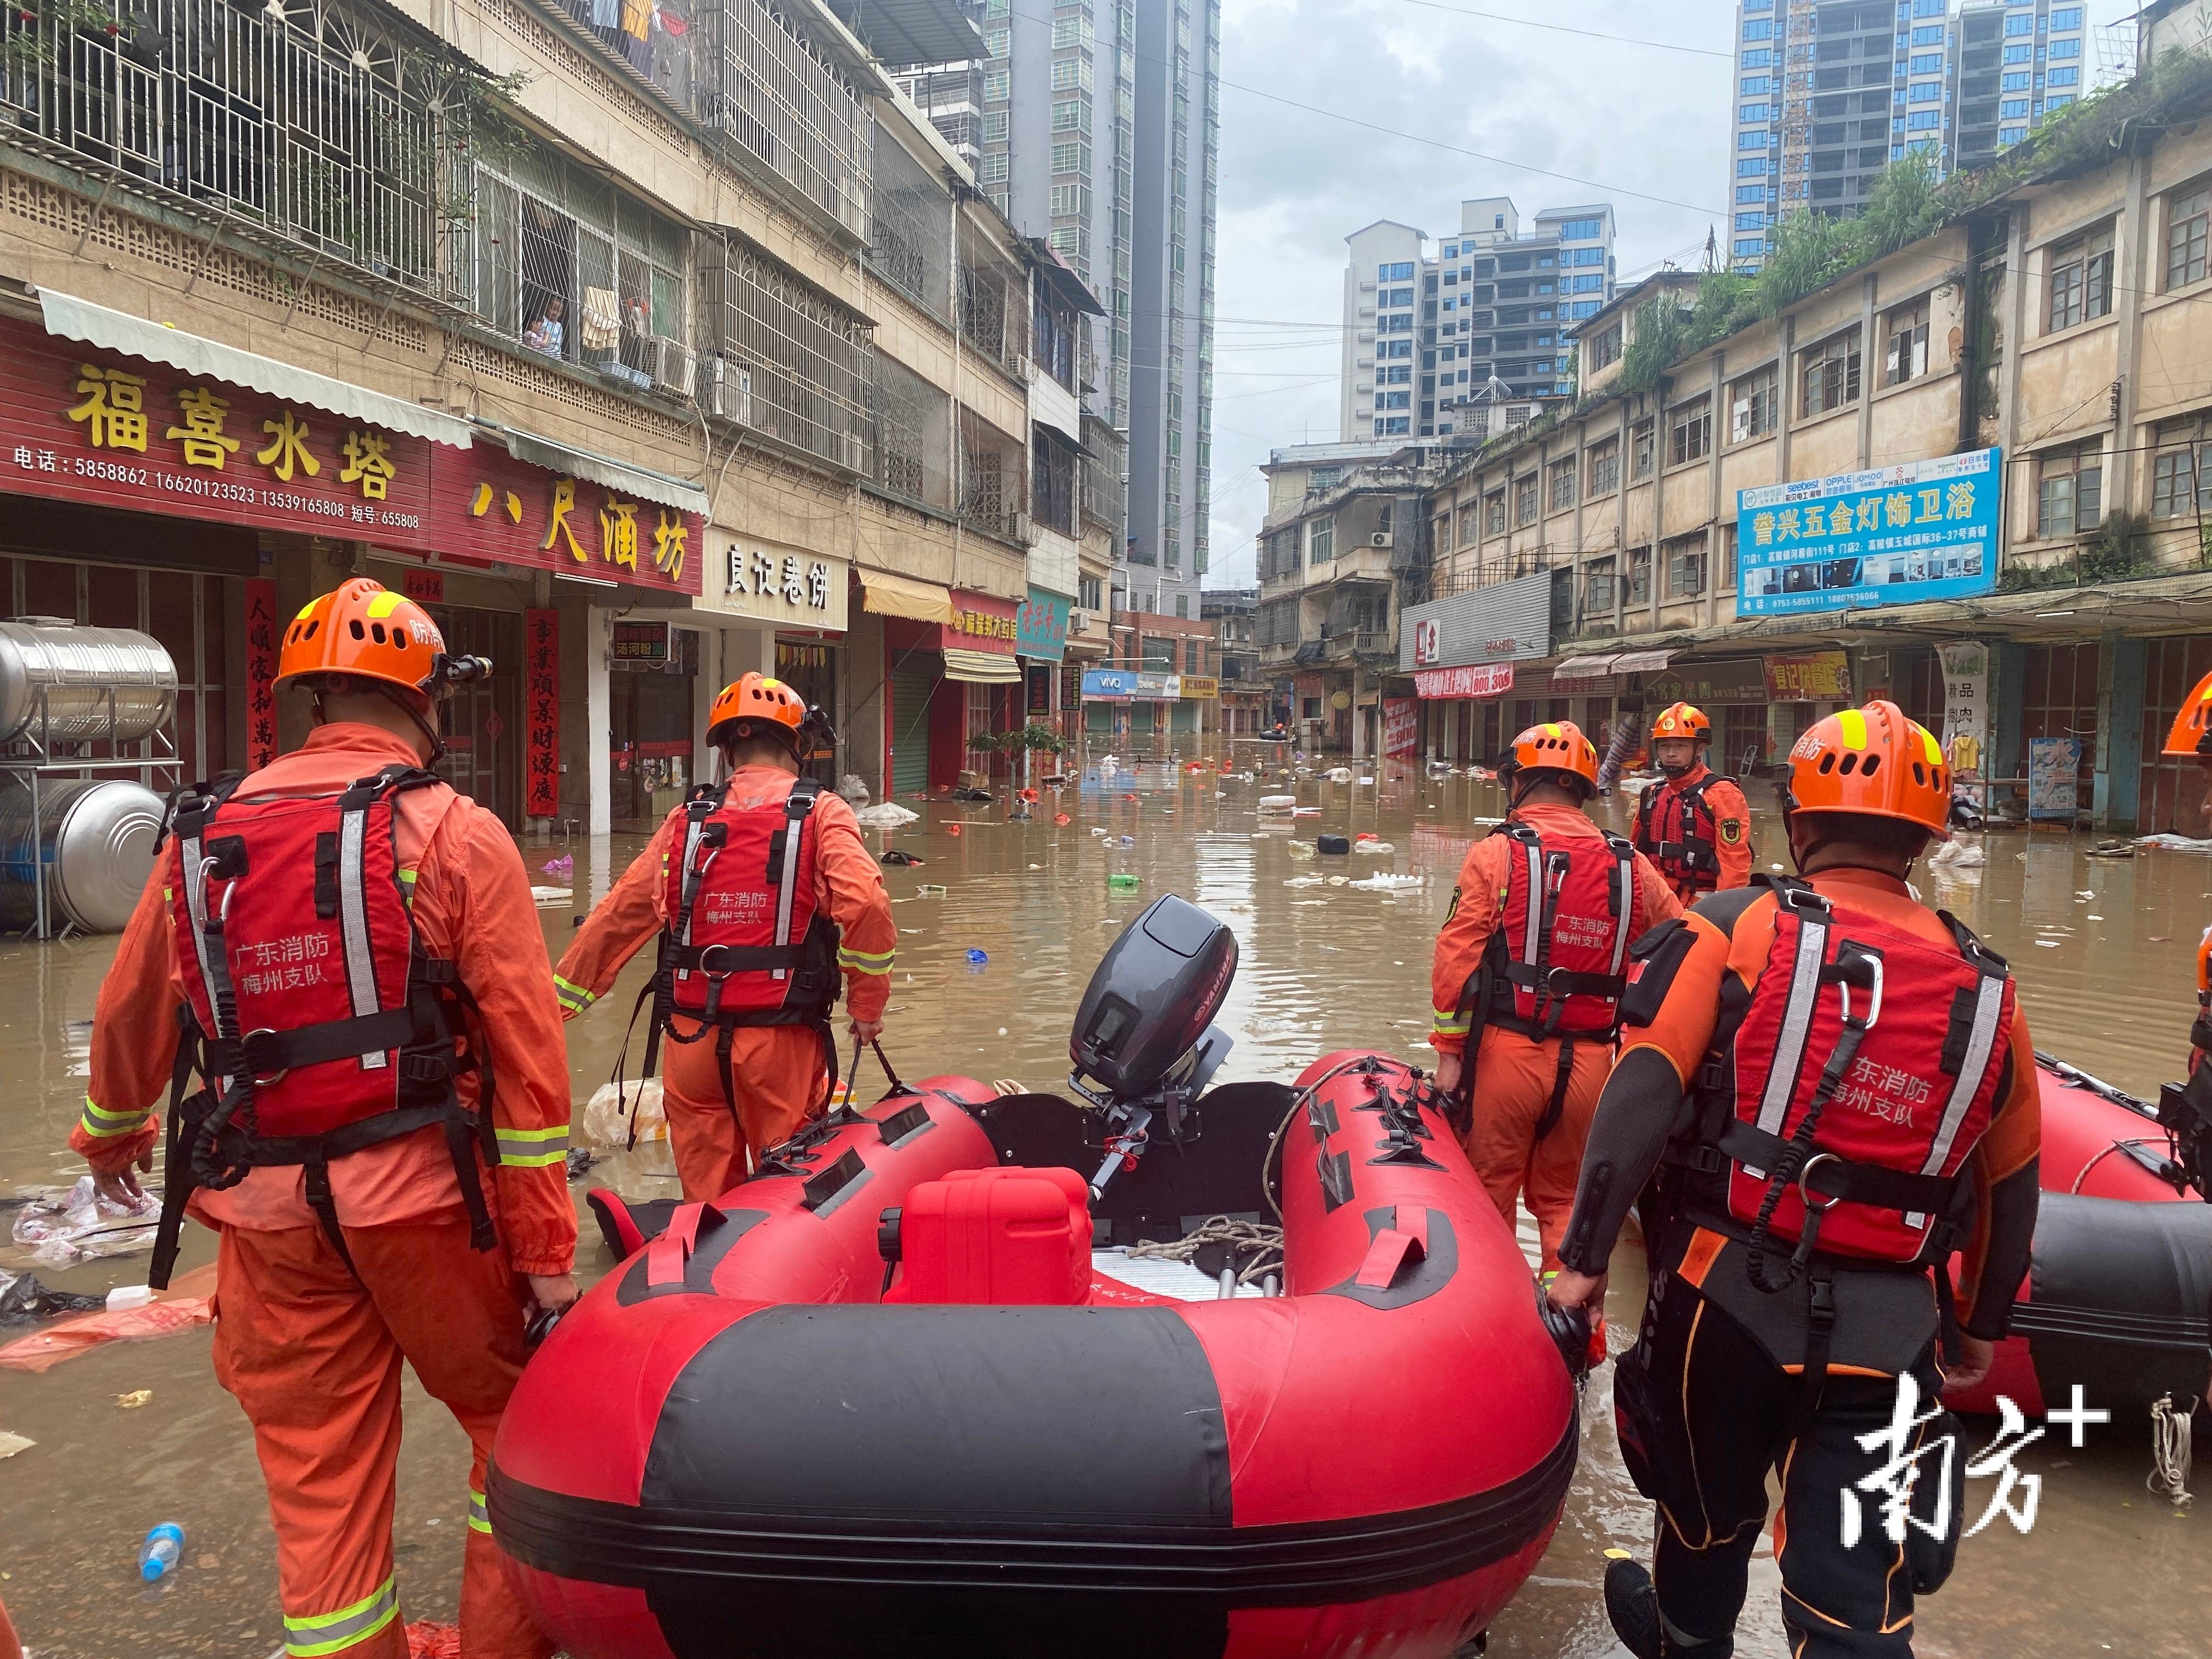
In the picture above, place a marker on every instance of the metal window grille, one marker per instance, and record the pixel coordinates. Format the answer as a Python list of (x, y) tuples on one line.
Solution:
[(792, 360), (993, 300), (910, 419), (910, 227), (768, 90), (1052, 483), (1105, 495), (992, 467), (310, 126)]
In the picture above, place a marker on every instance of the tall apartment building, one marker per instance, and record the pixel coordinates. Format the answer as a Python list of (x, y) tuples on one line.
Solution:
[(1829, 92), (1435, 342), (1095, 127)]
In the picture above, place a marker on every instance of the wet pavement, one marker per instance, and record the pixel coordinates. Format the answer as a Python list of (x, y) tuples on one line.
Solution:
[(2104, 951)]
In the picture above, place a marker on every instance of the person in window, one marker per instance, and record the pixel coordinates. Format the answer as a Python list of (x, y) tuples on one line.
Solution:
[(544, 334)]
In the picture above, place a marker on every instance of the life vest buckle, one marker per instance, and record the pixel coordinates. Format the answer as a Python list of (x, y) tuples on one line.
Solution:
[(712, 955), (1807, 1192), (246, 1047)]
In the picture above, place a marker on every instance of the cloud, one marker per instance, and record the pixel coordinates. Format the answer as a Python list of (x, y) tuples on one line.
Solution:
[(1294, 184)]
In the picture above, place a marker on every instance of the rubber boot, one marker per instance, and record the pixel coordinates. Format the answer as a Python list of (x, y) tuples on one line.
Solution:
[(1632, 1603)]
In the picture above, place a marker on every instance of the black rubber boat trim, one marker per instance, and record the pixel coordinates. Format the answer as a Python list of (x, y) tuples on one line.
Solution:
[(2176, 1331), (1315, 1563)]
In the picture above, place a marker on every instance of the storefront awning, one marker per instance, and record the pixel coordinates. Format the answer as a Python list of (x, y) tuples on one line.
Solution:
[(1583, 668), (638, 481), (981, 667), (71, 318), (887, 595), (1637, 662)]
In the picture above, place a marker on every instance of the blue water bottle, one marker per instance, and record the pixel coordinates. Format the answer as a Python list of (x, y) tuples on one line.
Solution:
[(158, 1555)]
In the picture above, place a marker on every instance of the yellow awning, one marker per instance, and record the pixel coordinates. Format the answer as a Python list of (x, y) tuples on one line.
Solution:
[(903, 596), (981, 667)]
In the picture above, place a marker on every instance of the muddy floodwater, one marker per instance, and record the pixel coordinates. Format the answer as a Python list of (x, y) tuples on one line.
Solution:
[(2102, 950)]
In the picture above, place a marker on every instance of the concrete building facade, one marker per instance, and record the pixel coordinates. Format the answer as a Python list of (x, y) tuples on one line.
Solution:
[(1438, 342)]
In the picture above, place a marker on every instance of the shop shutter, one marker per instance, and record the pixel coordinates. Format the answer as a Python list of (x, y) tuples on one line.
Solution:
[(910, 693)]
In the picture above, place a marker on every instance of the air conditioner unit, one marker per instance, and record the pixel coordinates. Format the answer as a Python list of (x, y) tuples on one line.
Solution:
[(1362, 386), (670, 363), (1380, 539), (1078, 620), (1016, 365), (727, 391), (1018, 526)]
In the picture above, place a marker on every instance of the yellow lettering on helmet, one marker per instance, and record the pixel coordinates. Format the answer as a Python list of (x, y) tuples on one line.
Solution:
[(383, 604), (1851, 722)]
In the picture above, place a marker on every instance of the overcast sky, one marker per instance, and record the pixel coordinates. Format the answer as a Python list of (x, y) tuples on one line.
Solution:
[(1627, 120)]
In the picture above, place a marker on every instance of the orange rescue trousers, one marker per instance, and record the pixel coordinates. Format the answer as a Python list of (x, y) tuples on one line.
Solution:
[(778, 1076), (313, 1353), (1514, 1078)]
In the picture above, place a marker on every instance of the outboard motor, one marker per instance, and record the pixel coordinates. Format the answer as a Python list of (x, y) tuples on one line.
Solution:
[(1145, 1045)]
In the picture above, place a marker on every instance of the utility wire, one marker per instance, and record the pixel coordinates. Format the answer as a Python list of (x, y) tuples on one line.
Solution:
[(1563, 28)]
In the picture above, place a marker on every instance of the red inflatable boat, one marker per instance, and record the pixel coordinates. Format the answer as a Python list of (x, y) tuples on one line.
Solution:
[(879, 1399), (2118, 1296)]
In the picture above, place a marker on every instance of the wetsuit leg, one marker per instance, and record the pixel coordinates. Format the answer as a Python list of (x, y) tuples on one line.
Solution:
[(1854, 1603), (1719, 1407)]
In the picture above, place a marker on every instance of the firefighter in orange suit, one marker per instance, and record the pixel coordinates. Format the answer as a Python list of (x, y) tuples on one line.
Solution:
[(2189, 1104), (1696, 825), (380, 1133), (762, 893), (1529, 968), (1828, 1091)]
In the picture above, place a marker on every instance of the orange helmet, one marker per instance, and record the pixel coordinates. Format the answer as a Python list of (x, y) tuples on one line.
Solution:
[(1874, 762), (1555, 746), (363, 630), (2191, 735), (755, 697), (1681, 720)]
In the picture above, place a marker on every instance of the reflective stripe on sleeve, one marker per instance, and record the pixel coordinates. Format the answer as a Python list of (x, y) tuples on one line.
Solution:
[(529, 1149), (334, 1632), (100, 1122), (866, 962), (1450, 1022), (479, 1517), (573, 996)]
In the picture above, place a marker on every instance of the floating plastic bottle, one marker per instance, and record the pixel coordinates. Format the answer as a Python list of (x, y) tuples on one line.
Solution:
[(976, 956), (158, 1555), (1121, 880)]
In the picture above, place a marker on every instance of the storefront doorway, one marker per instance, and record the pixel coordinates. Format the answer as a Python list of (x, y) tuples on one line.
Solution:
[(482, 724), (651, 706), (812, 670)]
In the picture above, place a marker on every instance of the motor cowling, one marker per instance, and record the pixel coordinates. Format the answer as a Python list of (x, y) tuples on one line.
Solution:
[(1148, 1006)]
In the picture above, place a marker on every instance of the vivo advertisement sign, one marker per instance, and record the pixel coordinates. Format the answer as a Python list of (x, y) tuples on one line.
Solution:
[(1926, 530), (1110, 682)]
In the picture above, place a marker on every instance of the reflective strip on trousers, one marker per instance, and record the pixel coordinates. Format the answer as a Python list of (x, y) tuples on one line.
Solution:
[(1796, 1030), (479, 1517), (102, 1124), (353, 924), (531, 1148), (334, 1632), (1989, 1004)]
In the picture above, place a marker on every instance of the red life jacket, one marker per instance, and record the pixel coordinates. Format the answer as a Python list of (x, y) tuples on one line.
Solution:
[(1561, 947), (312, 1011), (1678, 832), (745, 944), (1863, 1069)]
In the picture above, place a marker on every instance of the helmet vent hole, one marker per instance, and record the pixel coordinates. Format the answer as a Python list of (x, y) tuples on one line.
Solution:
[(1919, 772), (356, 630), (1851, 765), (1827, 764), (1868, 765), (376, 632), (310, 631)]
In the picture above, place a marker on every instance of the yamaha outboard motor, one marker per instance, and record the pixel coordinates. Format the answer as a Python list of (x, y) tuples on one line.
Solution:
[(1145, 1044)]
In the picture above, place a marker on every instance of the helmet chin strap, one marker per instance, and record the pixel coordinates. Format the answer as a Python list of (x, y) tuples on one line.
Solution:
[(1676, 771), (427, 728)]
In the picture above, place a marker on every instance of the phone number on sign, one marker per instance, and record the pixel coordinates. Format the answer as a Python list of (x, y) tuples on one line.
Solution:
[(217, 489)]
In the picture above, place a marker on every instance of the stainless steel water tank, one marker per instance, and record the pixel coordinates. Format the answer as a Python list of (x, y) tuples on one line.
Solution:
[(77, 666), (96, 838)]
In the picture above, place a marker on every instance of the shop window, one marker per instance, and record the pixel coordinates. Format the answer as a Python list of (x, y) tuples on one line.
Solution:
[(2059, 699), (2081, 280)]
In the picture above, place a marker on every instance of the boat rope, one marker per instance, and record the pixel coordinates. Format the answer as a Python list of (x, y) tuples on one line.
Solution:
[(2170, 1452), (1263, 1243)]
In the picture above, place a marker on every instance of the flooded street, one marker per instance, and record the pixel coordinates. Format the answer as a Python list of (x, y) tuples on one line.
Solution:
[(2102, 950)]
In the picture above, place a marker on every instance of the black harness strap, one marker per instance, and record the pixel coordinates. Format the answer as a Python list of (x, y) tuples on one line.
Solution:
[(1560, 1080)]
